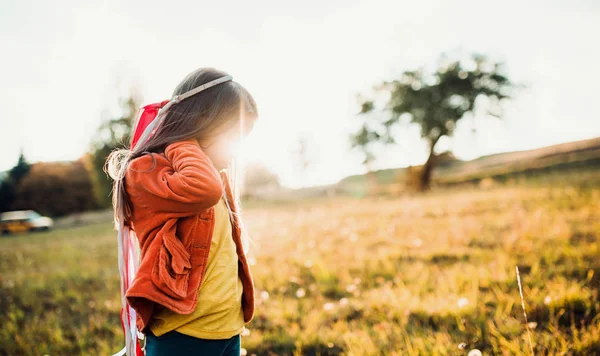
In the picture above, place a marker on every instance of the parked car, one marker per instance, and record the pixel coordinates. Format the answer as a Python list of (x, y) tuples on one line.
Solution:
[(24, 220)]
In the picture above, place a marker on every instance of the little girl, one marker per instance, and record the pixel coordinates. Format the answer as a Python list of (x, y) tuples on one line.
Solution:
[(193, 291)]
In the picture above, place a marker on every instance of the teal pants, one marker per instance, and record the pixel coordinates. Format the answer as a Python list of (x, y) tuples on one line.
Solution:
[(174, 343)]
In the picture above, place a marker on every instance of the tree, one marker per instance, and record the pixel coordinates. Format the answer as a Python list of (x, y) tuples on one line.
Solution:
[(301, 154), (363, 140), (258, 175), (258, 179), (435, 101), (113, 133), (7, 194), (18, 172), (10, 185), (50, 182)]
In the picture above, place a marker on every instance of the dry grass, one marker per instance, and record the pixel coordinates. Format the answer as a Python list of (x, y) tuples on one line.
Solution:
[(427, 275)]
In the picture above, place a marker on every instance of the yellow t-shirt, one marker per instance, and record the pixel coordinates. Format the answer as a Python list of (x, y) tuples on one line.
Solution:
[(218, 313)]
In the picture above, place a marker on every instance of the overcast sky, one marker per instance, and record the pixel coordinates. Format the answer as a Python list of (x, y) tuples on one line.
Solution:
[(65, 62)]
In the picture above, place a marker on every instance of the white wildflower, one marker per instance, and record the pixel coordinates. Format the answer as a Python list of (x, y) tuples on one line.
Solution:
[(463, 302), (328, 306), (300, 293)]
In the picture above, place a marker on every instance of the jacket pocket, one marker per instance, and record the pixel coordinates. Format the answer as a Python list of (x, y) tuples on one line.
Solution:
[(171, 272)]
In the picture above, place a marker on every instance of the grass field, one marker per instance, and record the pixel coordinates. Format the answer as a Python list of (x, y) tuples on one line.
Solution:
[(423, 275)]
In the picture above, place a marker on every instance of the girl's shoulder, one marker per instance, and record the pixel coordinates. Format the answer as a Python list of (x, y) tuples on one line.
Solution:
[(145, 168), (147, 162), (151, 160)]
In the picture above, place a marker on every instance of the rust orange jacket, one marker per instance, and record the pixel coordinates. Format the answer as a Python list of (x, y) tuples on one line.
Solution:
[(173, 197)]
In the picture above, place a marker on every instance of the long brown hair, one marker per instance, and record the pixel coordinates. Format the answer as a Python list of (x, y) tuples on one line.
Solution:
[(198, 116)]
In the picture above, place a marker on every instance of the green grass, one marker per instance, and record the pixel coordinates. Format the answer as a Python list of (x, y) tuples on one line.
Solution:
[(416, 275)]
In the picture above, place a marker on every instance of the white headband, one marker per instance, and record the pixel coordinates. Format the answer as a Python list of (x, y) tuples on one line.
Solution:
[(178, 98)]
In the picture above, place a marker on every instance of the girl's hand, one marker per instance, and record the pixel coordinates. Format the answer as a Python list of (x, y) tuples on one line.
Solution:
[(183, 181)]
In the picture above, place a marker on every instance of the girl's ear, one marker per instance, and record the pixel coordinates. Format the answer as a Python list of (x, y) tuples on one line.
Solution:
[(205, 143)]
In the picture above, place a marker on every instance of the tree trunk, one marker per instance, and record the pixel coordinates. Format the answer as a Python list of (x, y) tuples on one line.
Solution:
[(425, 178)]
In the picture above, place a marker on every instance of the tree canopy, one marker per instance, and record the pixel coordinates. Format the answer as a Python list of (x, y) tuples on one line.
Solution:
[(435, 100), (112, 134)]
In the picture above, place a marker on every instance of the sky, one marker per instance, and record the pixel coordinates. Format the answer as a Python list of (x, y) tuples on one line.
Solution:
[(65, 64)]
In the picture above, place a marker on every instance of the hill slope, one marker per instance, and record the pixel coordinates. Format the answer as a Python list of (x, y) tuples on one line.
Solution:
[(561, 156)]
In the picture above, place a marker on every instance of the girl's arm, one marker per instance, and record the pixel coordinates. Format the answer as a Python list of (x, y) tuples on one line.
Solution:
[(185, 182)]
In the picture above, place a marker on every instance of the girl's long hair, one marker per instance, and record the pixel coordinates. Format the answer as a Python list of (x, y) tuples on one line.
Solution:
[(198, 116)]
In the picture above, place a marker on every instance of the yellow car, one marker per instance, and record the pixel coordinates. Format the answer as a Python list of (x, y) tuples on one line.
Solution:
[(24, 221)]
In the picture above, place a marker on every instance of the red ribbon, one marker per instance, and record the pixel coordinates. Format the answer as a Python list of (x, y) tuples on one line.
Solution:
[(145, 116)]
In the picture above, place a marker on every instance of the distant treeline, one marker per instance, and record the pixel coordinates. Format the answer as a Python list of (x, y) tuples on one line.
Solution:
[(50, 188), (63, 188)]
